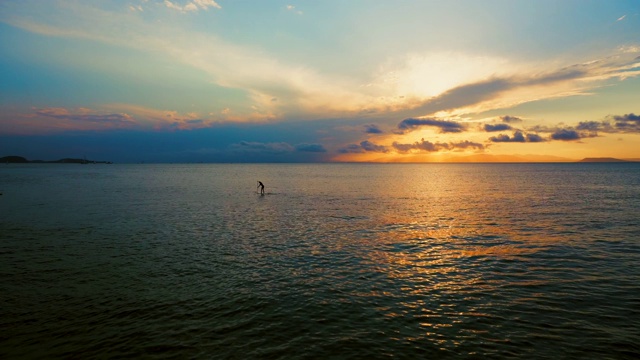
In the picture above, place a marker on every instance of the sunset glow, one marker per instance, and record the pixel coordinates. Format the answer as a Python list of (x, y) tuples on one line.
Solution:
[(318, 81)]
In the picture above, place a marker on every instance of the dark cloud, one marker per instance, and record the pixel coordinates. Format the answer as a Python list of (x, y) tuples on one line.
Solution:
[(566, 135), (427, 146), (615, 124), (593, 125), (310, 148), (369, 146), (351, 149), (628, 117), (422, 146), (629, 123), (372, 129), (364, 146), (518, 137), (500, 138), (534, 138), (444, 126), (510, 119), (496, 127), (628, 127)]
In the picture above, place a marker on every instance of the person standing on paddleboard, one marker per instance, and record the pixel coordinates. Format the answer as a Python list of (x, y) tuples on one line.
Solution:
[(261, 186)]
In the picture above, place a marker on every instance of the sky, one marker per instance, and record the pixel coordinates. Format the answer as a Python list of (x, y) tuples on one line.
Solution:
[(320, 81)]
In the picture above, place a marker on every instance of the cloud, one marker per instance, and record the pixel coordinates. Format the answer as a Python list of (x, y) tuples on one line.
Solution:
[(351, 149), (364, 146), (528, 85), (85, 115), (372, 129), (427, 146), (627, 123), (518, 137), (192, 6), (293, 9), (369, 146), (593, 125), (159, 119), (566, 135), (462, 83), (510, 119), (444, 126), (496, 127), (534, 138), (621, 17), (628, 117)]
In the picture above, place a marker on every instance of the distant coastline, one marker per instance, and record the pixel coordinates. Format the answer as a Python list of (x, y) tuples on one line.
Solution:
[(22, 160), (604, 160), (13, 159)]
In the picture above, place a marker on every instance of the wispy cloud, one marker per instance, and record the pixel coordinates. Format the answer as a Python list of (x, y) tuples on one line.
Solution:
[(417, 86), (85, 115), (292, 8), (443, 125), (621, 17), (191, 6), (507, 91), (496, 127), (112, 116)]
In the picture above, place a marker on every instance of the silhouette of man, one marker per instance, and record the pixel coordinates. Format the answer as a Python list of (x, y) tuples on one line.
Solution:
[(261, 186)]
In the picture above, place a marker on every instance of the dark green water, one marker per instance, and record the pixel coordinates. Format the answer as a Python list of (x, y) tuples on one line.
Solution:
[(343, 261)]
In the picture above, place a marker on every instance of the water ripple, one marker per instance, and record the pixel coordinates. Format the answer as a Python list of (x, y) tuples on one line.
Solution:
[(485, 262)]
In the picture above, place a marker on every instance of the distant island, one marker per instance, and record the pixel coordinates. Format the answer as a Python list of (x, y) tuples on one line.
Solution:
[(603, 160), (21, 160)]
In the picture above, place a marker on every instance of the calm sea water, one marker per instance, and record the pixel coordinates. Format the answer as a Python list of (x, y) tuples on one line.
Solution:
[(448, 261)]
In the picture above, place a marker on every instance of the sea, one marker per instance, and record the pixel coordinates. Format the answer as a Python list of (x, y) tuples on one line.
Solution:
[(334, 261)]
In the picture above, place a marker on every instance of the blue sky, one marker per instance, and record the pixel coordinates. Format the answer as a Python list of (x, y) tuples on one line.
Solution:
[(244, 81)]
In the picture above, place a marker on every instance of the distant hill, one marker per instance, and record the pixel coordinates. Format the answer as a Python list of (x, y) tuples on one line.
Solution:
[(14, 160), (21, 160), (602, 160)]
